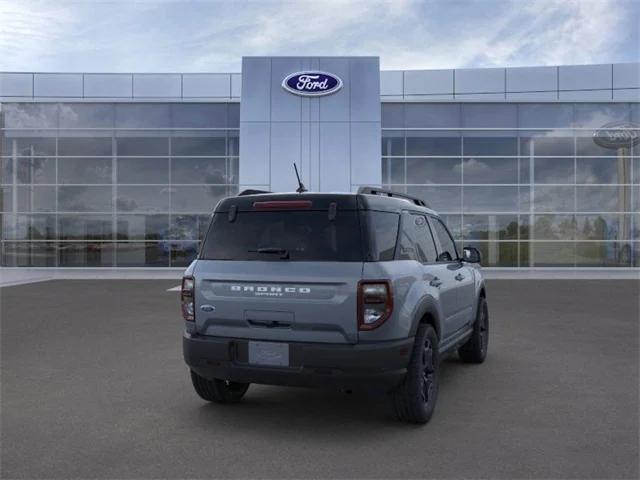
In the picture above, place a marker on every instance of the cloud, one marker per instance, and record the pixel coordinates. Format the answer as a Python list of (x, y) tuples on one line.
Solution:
[(213, 35)]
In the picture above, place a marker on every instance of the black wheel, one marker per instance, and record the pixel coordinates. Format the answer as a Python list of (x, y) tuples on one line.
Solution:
[(475, 349), (415, 399), (218, 391)]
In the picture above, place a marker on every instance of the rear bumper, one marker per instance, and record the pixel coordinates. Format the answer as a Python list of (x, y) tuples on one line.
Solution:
[(372, 366)]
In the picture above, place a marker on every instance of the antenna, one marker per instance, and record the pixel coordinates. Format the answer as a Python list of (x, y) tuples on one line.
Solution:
[(301, 188)]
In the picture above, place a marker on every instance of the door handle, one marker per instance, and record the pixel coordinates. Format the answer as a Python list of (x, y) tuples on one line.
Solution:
[(435, 282), (459, 277)]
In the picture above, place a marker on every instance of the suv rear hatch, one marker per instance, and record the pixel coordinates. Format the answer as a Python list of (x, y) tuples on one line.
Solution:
[(281, 267)]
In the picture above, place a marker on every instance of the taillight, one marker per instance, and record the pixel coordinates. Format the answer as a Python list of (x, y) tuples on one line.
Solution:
[(187, 299), (375, 303)]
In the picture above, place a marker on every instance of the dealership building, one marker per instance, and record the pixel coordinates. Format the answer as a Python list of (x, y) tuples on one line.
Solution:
[(534, 166)]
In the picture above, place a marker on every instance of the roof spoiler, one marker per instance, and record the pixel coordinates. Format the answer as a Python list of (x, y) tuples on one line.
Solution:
[(250, 191), (388, 193)]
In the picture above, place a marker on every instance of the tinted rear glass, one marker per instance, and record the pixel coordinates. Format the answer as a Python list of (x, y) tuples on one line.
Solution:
[(284, 236), (384, 232)]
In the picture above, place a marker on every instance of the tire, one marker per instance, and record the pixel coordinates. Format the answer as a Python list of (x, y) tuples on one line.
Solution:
[(415, 399), (218, 391), (475, 349)]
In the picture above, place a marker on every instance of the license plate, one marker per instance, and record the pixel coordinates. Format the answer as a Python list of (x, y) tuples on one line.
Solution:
[(269, 353)]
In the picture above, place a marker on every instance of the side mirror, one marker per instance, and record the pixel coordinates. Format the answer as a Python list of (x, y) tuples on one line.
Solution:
[(471, 255)]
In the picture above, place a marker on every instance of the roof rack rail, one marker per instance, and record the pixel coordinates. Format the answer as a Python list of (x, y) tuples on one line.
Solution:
[(390, 193), (250, 191)]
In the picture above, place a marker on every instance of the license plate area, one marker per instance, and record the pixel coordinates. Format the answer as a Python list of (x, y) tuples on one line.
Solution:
[(272, 354)]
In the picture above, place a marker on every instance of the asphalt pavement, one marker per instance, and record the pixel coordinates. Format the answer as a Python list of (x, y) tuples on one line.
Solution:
[(93, 386)]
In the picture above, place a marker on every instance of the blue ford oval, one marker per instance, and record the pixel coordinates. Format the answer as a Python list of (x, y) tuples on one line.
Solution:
[(312, 83)]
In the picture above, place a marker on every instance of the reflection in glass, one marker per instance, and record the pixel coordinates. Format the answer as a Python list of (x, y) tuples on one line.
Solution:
[(85, 227), (552, 254), (84, 199), (199, 170), (441, 199), (142, 227), (132, 254), (434, 170), (142, 170), (491, 199), (490, 170), (392, 144), (36, 170), (200, 146), (604, 254), (84, 146), (603, 198), (72, 254), (29, 146), (29, 227), (143, 199), (84, 170), (603, 170), (142, 146), (553, 170), (553, 199), (497, 254), (183, 253), (490, 227), (604, 226), (198, 199), (490, 146), (36, 254), (554, 227), (189, 227), (36, 198), (425, 144)]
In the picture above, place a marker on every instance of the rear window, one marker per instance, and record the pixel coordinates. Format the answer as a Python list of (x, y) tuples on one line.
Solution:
[(284, 236)]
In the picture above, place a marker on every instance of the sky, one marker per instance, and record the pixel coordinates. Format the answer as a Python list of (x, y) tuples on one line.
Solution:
[(212, 36)]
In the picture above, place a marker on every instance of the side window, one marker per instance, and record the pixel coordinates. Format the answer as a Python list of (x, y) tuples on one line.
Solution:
[(448, 251), (416, 242), (383, 234)]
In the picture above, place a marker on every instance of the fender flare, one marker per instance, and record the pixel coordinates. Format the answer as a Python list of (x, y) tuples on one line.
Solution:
[(427, 306)]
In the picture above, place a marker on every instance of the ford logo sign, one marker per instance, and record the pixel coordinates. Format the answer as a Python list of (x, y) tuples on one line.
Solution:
[(312, 84), (617, 135)]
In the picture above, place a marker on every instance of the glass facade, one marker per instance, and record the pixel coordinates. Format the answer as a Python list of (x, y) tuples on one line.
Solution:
[(524, 183), (133, 184), (113, 184)]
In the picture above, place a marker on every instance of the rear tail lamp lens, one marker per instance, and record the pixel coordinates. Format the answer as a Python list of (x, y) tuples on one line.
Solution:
[(187, 299), (375, 303)]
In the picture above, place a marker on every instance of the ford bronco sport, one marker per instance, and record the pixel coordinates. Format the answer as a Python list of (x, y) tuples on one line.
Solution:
[(350, 291)]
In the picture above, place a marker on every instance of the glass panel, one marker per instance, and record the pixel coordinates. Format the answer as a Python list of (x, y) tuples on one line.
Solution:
[(636, 169), (635, 227), (432, 115), (447, 250), (434, 170), (553, 199), (552, 254), (197, 199), (189, 227), (525, 169), (84, 199), (604, 227), (36, 170), (233, 115), (497, 254), (393, 169), (490, 227), (490, 199), (490, 146), (598, 114), (143, 170), (142, 227), (603, 254), (36, 254), (554, 227), (392, 143), (143, 146), (544, 115), (392, 115), (602, 198), (547, 146), (233, 142), (143, 254), (85, 227), (587, 146), (6, 170), (79, 115), (84, 146), (139, 115), (603, 170), (441, 199), (454, 224), (29, 146), (199, 115), (199, 146), (425, 144), (29, 227), (183, 253), (489, 115), (199, 170), (36, 199), (30, 115), (72, 254), (143, 199), (490, 170), (84, 170), (553, 170), (6, 199)]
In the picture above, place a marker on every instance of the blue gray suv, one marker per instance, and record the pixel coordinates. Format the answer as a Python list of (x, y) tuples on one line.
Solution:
[(364, 291)]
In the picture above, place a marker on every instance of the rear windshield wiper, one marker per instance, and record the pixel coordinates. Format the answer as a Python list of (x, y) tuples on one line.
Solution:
[(284, 253)]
